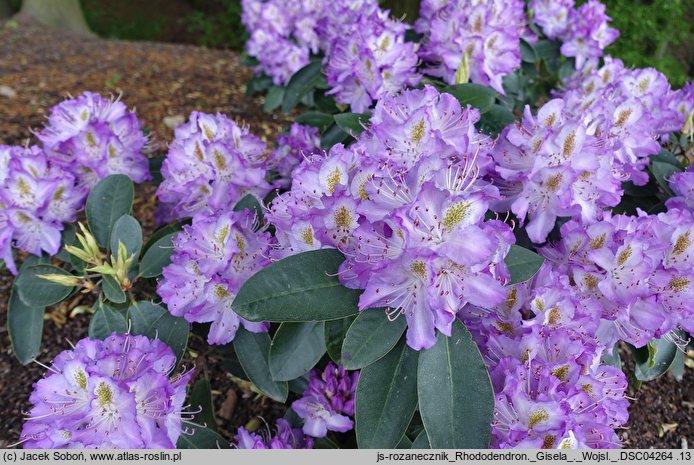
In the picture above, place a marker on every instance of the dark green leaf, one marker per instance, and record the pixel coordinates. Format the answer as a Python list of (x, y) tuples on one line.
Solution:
[(157, 256), (201, 399), (300, 84), (324, 443), (316, 119), (352, 123), (665, 156), (404, 443), (496, 119), (258, 84), (522, 264), (302, 287), (106, 321), (660, 353), (273, 99), (528, 54), (661, 172), (612, 359), (421, 442), (335, 332), (153, 320), (453, 384), (25, 328), (38, 292), (370, 337), (128, 231), (386, 399), (548, 50), (155, 164), (197, 437), (677, 366), (295, 349), (252, 350), (110, 199), (249, 202), (333, 135), (112, 290), (478, 96), (159, 233), (67, 237)]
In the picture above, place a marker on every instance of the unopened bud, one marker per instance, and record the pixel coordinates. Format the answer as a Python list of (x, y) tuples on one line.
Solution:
[(62, 279)]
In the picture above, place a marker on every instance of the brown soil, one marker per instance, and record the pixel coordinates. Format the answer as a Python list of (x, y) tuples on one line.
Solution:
[(168, 80)]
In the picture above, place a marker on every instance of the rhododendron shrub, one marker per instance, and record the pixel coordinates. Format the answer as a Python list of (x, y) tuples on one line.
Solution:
[(473, 217)]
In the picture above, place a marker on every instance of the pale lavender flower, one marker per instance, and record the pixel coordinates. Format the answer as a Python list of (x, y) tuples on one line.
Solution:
[(285, 437)]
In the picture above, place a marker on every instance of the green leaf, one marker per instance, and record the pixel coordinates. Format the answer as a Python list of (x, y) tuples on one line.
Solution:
[(112, 290), (300, 84), (333, 135), (273, 99), (252, 350), (38, 292), (453, 384), (371, 336), (334, 333), (677, 366), (548, 50), (528, 54), (25, 328), (67, 237), (201, 398), (612, 359), (106, 321), (496, 119), (421, 441), (324, 443), (386, 399), (352, 123), (153, 320), (110, 199), (201, 438), (251, 203), (661, 172), (404, 443), (659, 356), (158, 256), (302, 287), (258, 84), (172, 228), (316, 119), (295, 349), (522, 264), (478, 96), (128, 231)]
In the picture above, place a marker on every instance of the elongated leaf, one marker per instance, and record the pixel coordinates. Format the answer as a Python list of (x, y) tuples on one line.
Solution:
[(273, 99), (67, 237), (335, 332), (112, 290), (110, 199), (333, 135), (157, 256), (25, 327), (201, 438), (300, 84), (421, 441), (386, 399), (302, 287), (316, 119), (38, 292), (128, 231), (352, 123), (453, 384), (522, 264), (660, 354), (251, 203), (370, 337), (159, 233), (252, 350), (295, 349), (662, 172), (106, 321), (153, 320), (201, 398), (480, 97)]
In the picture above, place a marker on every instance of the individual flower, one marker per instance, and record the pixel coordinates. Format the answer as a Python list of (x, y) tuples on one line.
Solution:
[(92, 137), (285, 437), (292, 148), (36, 198), (211, 164), (115, 393), (212, 259), (485, 35), (682, 184), (328, 402)]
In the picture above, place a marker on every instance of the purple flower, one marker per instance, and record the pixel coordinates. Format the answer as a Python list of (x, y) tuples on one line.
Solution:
[(36, 197), (682, 184), (588, 33), (486, 35), (211, 164), (328, 402), (113, 393), (292, 148), (91, 138), (213, 257), (286, 437)]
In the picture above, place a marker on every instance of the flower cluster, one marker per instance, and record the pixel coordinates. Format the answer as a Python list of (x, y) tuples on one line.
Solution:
[(545, 364), (213, 257), (114, 393), (682, 184), (371, 61), (406, 207), (485, 35), (285, 438), (211, 164), (35, 199), (636, 269), (328, 402), (91, 138), (584, 31), (292, 148)]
